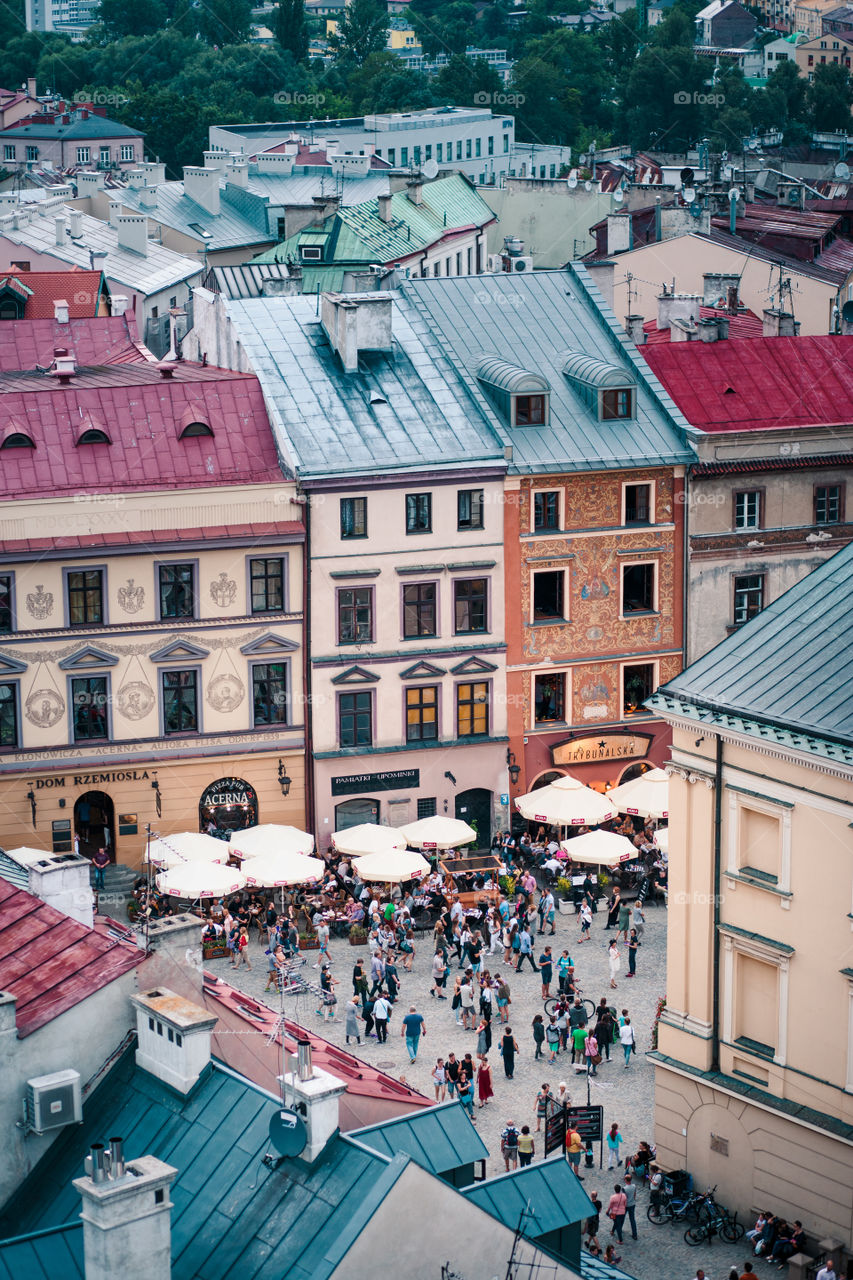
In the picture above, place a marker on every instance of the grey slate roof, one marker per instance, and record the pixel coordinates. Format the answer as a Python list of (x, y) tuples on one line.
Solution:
[(77, 131), (407, 410), (227, 229), (787, 674), (537, 320)]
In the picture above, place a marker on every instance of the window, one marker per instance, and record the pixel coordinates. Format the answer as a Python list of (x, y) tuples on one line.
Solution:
[(422, 714), (747, 511), (748, 597), (83, 155), (417, 155), (472, 709), (529, 411), (355, 615), (549, 698), (269, 693), (548, 595), (436, 268), (419, 612), (827, 504), (85, 597), (469, 508), (506, 143), (759, 837), (617, 404), (7, 621), (266, 577), (404, 156), (428, 151), (546, 511), (195, 429), (127, 151), (94, 436), (458, 149), (638, 504), (459, 264), (89, 700), (32, 153), (757, 1005), (180, 702), (392, 156), (419, 508), (490, 145), (8, 715), (638, 683), (439, 151), (177, 593), (353, 518), (638, 588), (477, 147), (427, 807), (355, 713), (552, 172), (469, 605), (9, 151)]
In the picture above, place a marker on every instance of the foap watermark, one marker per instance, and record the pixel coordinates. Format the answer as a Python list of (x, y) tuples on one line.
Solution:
[(489, 298), (100, 98), (701, 498), (287, 99), (483, 99), (684, 99)]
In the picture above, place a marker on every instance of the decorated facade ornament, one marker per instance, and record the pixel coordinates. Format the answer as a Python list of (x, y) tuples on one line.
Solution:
[(40, 602), (223, 591)]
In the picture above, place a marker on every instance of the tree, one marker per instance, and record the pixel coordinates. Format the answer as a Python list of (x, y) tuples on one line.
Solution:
[(830, 96), (463, 82), (362, 30), (291, 29), (121, 18), (218, 22), (383, 83)]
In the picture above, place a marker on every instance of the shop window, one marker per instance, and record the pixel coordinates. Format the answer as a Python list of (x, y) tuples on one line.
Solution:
[(546, 511), (355, 615), (7, 620), (470, 598), (638, 684), (748, 597), (352, 813), (85, 592), (422, 714), (472, 709), (180, 701), (9, 715), (638, 588), (177, 590), (229, 804), (353, 518), (549, 698), (419, 609), (549, 596), (266, 577), (638, 504), (469, 502), (89, 701), (355, 719), (427, 807), (419, 510), (269, 693)]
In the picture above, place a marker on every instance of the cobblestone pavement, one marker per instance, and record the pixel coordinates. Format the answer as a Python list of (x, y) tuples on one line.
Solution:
[(626, 1095)]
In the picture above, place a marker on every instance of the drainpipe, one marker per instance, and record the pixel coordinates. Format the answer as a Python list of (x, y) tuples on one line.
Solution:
[(718, 831), (310, 815)]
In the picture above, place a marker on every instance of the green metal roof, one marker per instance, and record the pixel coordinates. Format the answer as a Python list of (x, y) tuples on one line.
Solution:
[(785, 676), (509, 377), (596, 373), (439, 1139), (55, 1254), (547, 1193)]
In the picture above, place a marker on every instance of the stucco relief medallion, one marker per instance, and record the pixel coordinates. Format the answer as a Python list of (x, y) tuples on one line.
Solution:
[(44, 707), (134, 700), (594, 633), (131, 598), (225, 693), (223, 591), (40, 603)]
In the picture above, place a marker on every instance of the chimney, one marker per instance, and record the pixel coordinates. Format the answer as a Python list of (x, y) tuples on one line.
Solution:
[(127, 1227), (779, 324), (237, 173), (64, 368), (84, 114), (316, 1095), (31, 86), (277, 287), (173, 943), (133, 233), (60, 311), (75, 223), (280, 164), (119, 304), (385, 208), (677, 306), (173, 1035), (682, 330), (115, 212), (148, 197), (202, 185), (357, 322), (709, 330), (717, 289), (59, 223), (634, 329), (153, 171), (97, 259), (215, 160), (89, 183), (59, 879), (415, 191)]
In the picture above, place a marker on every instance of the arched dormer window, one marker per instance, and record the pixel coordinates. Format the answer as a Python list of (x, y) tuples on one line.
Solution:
[(522, 398), (18, 440), (195, 429), (608, 389), (94, 435)]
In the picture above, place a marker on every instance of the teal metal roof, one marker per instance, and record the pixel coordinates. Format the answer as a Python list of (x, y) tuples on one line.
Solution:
[(548, 1194), (56, 1254), (593, 1268), (785, 676), (529, 320), (596, 373), (439, 1139), (230, 228), (509, 377)]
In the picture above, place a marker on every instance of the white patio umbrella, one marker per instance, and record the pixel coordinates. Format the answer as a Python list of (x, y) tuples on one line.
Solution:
[(662, 839), (646, 796), (392, 865), (367, 837), (604, 848), (187, 847), (197, 880), (438, 832), (277, 870), (566, 803), (270, 838)]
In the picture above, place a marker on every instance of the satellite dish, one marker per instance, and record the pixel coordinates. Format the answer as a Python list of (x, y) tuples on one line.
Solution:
[(587, 186), (430, 170), (734, 193), (288, 1133), (689, 195), (728, 172), (842, 171), (573, 181), (687, 176), (619, 195)]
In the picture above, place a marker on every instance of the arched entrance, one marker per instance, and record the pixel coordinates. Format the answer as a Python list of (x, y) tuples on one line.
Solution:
[(94, 823), (475, 808), (229, 804), (635, 770), (546, 778), (353, 812)]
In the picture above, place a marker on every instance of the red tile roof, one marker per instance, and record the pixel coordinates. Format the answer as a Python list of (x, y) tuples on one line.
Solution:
[(49, 962), (736, 386), (237, 533), (792, 462), (80, 289), (743, 325), (24, 344)]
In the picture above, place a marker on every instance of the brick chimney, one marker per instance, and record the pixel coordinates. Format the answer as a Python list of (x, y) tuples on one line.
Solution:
[(779, 324), (127, 1226), (173, 1036), (415, 190)]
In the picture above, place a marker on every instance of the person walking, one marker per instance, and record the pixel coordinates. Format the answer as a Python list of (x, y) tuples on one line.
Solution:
[(439, 1080), (327, 986), (614, 961), (630, 1192), (322, 931), (525, 951), (451, 1071), (538, 1036), (242, 950), (614, 1142), (466, 992), (585, 921), (633, 943), (574, 1150), (624, 920), (578, 1042), (616, 1210), (614, 902), (509, 1049), (359, 981), (603, 1032), (591, 1053), (509, 1145), (485, 1089), (484, 1039), (552, 1035), (439, 971), (628, 1041), (526, 1146), (413, 1028), (351, 1027), (465, 1093), (504, 999), (381, 1014), (638, 919), (377, 972), (546, 972)]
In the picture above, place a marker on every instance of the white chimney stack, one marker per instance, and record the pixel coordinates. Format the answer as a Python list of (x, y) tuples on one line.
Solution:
[(678, 306), (384, 203), (133, 233), (75, 223), (317, 1098), (237, 173), (59, 224), (202, 185), (148, 197), (778, 324), (89, 183), (60, 311), (115, 212), (173, 1036), (119, 304), (127, 1226)]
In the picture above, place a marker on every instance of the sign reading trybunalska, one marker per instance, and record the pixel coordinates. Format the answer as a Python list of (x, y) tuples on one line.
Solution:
[(602, 746), (359, 783)]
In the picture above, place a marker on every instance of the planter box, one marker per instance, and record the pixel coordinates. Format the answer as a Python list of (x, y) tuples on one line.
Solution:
[(358, 941), (567, 907), (213, 951), (309, 944)]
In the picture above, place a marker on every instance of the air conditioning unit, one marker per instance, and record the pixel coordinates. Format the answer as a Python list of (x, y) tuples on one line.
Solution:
[(517, 264), (495, 262), (52, 1102)]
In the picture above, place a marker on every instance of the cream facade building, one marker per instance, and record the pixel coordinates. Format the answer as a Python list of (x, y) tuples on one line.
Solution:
[(754, 1061)]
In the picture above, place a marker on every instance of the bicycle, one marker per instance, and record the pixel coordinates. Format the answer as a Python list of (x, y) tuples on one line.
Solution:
[(552, 1006), (723, 1224), (671, 1208)]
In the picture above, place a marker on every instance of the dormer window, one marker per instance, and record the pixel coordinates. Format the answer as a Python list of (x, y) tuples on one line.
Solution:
[(18, 440), (609, 390), (521, 398), (617, 404), (94, 436), (311, 252), (195, 429)]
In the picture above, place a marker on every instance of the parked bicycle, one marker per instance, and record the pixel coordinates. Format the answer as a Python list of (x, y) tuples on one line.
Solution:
[(552, 1006), (723, 1224), (693, 1206)]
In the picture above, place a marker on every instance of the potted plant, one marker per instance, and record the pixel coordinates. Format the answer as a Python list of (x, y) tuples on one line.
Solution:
[(357, 936), (213, 949), (309, 942), (507, 884)]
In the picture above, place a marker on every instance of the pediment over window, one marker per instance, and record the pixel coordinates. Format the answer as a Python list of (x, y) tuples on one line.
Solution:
[(356, 675), (179, 651), (270, 643), (473, 667), (420, 670), (88, 657), (11, 667)]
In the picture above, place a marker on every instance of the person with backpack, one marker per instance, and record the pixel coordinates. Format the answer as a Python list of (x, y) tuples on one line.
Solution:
[(538, 1036), (552, 1035), (628, 1041), (509, 1145)]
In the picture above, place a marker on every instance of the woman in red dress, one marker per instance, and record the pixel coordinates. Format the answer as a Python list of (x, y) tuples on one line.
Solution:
[(484, 1083)]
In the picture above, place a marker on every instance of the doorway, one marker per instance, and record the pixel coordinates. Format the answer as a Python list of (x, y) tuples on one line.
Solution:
[(475, 808), (94, 823), (353, 812)]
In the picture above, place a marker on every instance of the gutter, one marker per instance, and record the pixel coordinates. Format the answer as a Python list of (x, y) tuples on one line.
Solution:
[(718, 829), (306, 676)]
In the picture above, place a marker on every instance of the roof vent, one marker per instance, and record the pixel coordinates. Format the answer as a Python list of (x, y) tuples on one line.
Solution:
[(167, 371)]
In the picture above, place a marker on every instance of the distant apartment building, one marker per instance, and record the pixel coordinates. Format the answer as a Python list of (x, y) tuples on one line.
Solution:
[(80, 137), (808, 16)]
